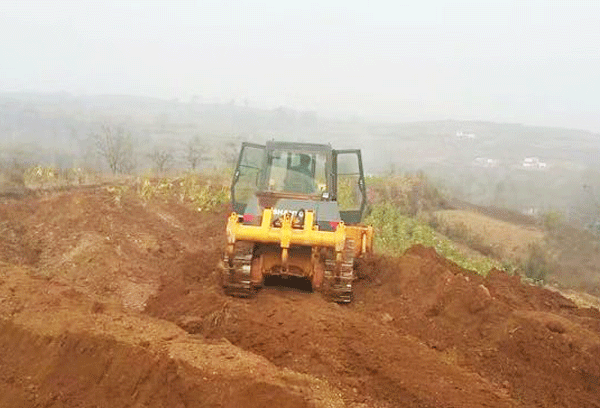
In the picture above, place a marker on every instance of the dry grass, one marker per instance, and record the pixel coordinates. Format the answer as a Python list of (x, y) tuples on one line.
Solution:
[(506, 239), (581, 299)]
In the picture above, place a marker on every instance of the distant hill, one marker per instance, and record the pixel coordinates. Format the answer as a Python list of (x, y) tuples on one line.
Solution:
[(482, 162)]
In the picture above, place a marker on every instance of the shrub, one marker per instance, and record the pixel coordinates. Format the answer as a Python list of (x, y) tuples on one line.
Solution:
[(552, 220), (537, 265), (411, 194)]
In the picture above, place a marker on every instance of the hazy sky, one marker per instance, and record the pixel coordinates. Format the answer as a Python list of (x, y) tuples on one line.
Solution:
[(533, 62)]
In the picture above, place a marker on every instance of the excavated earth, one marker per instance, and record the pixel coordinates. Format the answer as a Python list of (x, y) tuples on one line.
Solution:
[(108, 302)]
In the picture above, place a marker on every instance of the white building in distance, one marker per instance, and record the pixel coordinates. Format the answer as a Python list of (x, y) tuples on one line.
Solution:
[(533, 163)]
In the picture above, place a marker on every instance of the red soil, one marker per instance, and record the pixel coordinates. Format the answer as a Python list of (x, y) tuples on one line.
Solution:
[(107, 303)]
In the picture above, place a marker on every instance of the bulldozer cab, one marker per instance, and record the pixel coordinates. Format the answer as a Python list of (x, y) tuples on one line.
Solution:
[(301, 171), (297, 171)]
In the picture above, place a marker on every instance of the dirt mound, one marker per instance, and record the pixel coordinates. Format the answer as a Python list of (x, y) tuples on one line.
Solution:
[(60, 348), (116, 302), (113, 249), (16, 246), (533, 341), (420, 329)]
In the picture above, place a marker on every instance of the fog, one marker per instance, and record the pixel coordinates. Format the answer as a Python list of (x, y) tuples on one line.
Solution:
[(532, 62), (497, 102)]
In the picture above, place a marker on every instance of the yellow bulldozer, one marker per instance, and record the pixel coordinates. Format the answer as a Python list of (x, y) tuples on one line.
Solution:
[(297, 211)]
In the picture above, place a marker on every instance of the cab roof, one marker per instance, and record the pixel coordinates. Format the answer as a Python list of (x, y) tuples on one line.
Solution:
[(309, 147)]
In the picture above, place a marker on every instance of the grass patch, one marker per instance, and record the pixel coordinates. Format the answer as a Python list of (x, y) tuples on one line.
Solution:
[(200, 191), (395, 232)]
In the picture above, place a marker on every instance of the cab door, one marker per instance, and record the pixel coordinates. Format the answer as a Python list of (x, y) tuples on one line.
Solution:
[(247, 175), (350, 190)]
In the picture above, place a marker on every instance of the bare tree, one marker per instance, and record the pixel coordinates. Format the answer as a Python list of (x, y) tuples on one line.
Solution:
[(13, 166), (115, 145), (162, 158), (194, 152)]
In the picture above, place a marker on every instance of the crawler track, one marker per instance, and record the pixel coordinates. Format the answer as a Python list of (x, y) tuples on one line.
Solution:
[(236, 273), (338, 283)]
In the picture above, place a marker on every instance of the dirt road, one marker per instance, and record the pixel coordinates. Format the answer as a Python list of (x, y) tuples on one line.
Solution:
[(107, 302)]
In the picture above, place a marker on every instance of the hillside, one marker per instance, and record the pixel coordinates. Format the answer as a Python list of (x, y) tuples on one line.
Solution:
[(525, 168), (116, 302)]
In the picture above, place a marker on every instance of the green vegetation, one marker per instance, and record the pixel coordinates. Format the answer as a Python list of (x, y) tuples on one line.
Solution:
[(395, 232), (403, 214), (537, 264), (348, 194), (552, 220), (411, 194), (203, 195), (198, 190)]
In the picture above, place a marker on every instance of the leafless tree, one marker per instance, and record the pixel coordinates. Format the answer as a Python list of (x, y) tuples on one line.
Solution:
[(194, 152), (162, 158), (115, 145), (13, 165), (13, 172)]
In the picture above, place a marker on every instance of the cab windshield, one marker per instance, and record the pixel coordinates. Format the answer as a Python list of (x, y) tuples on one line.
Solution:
[(296, 172)]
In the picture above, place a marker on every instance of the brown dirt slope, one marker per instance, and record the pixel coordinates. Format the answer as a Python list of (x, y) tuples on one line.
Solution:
[(108, 302), (61, 349)]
